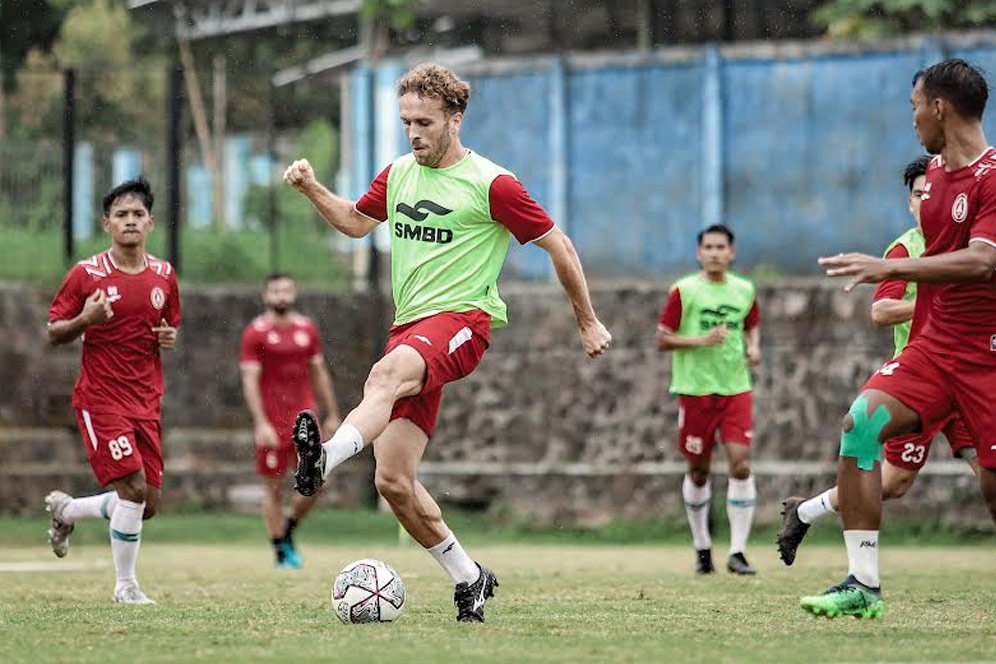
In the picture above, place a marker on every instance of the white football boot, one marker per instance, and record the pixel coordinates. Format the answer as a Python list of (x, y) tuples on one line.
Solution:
[(58, 533)]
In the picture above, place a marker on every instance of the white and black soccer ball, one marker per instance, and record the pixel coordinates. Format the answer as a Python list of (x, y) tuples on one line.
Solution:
[(368, 591)]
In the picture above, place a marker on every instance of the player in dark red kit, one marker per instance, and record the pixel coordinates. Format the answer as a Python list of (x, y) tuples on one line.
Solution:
[(951, 366), (283, 372), (125, 305)]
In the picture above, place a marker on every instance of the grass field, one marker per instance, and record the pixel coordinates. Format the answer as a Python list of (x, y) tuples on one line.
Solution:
[(558, 602)]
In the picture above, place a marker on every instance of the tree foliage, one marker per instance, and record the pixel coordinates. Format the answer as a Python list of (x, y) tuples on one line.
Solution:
[(872, 19)]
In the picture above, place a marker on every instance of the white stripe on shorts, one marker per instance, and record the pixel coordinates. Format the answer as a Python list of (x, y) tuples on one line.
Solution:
[(460, 338), (89, 429)]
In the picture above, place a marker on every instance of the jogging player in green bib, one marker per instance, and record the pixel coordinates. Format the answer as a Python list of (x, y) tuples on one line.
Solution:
[(451, 215), (710, 323)]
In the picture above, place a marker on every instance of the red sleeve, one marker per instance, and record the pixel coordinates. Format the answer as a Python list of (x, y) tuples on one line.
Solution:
[(172, 313), (753, 318), (984, 224), (892, 289), (374, 202), (671, 314), (68, 302), (315, 350), (515, 209), (250, 351)]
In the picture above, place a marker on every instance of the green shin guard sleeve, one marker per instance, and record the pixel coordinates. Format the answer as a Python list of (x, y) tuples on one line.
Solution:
[(862, 441)]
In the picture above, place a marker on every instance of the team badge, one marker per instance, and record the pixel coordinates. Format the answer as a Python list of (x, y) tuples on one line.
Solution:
[(272, 337), (959, 209), (158, 297), (301, 338), (992, 343)]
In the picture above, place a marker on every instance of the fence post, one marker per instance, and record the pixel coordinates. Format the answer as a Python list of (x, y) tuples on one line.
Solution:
[(272, 203), (712, 139), (174, 92), (68, 160)]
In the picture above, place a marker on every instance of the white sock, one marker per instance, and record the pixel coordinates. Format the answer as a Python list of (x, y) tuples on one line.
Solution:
[(451, 556), (740, 498), (126, 536), (697, 509), (815, 507), (862, 556), (344, 443), (100, 506)]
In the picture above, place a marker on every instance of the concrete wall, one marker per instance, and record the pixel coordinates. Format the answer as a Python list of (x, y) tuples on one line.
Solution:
[(538, 429)]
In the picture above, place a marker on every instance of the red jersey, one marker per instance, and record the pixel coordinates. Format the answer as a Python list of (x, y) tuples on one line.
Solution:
[(121, 371), (958, 208), (283, 352)]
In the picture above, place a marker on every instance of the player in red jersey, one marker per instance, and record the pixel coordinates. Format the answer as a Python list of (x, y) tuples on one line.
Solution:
[(904, 457), (283, 371), (125, 305), (951, 366)]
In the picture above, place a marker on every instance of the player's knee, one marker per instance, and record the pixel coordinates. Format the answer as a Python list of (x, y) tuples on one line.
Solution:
[(385, 376), (133, 489), (150, 511), (699, 475), (394, 487), (740, 469), (896, 489)]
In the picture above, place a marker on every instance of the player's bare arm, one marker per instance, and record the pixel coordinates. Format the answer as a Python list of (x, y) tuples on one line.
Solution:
[(889, 311), (668, 339), (339, 212), (321, 385), (973, 263), (96, 310), (594, 337), (752, 342), (165, 335), (265, 434)]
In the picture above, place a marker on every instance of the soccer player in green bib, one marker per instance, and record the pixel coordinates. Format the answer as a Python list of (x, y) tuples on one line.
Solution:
[(451, 215), (711, 325), (904, 456)]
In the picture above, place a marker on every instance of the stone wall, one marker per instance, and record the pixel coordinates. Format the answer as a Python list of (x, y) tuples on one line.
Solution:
[(538, 429)]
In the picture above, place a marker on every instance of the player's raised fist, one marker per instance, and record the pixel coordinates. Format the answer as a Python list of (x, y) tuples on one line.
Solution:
[(300, 175), (595, 339), (96, 308)]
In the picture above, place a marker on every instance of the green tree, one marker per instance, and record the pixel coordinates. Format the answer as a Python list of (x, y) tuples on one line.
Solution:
[(873, 19)]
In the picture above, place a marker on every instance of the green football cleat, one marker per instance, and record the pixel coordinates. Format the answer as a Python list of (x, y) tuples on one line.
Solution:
[(850, 598)]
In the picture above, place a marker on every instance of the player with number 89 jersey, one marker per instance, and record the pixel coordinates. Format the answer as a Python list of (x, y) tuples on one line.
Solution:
[(125, 305)]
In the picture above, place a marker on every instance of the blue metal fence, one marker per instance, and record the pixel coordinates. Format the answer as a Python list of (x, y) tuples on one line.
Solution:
[(801, 154)]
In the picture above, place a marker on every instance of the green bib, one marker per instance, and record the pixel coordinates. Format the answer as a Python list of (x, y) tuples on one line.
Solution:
[(718, 369), (446, 250), (915, 245)]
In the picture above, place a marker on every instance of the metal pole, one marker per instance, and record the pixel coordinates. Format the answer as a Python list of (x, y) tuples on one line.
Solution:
[(68, 154), (174, 93), (272, 203)]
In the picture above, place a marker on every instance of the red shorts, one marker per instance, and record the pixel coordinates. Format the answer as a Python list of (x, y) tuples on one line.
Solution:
[(452, 346), (936, 385), (117, 446), (274, 462), (701, 418), (911, 451)]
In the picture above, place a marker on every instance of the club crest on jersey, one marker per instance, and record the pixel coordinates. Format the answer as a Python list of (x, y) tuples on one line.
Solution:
[(992, 343), (301, 338), (158, 297), (926, 192), (959, 209)]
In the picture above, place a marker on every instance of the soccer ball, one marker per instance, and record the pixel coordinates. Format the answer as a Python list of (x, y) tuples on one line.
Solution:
[(368, 591)]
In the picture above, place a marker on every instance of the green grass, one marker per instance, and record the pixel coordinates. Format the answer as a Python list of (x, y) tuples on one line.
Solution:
[(209, 257), (220, 600)]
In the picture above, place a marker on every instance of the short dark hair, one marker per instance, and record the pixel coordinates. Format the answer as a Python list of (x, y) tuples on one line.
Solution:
[(276, 276), (138, 187), (915, 169), (959, 82), (715, 228)]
